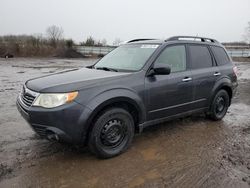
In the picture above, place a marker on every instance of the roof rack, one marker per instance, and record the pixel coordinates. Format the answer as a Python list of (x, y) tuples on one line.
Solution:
[(203, 39), (136, 40)]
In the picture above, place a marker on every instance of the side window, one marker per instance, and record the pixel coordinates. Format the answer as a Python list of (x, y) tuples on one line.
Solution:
[(200, 57), (220, 55), (175, 57)]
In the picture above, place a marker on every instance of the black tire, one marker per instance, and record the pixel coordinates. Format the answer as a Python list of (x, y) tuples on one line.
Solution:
[(112, 133), (219, 106)]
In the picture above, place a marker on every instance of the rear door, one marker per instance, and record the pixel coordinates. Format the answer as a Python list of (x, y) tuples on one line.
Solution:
[(204, 72), (225, 64), (223, 61)]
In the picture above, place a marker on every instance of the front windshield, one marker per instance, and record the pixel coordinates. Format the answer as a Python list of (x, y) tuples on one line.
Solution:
[(127, 57)]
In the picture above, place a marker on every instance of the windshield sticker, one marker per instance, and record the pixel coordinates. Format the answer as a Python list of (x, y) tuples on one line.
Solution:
[(149, 46)]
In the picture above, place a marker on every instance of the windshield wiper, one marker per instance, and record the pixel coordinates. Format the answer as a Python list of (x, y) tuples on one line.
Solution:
[(106, 69)]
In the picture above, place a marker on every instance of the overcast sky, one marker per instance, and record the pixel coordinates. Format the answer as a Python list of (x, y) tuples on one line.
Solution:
[(224, 20)]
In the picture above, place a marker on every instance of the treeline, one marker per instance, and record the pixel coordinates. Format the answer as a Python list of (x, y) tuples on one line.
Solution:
[(27, 45), (235, 44), (51, 44), (90, 41)]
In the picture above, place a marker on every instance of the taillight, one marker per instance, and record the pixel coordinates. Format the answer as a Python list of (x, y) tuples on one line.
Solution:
[(235, 69)]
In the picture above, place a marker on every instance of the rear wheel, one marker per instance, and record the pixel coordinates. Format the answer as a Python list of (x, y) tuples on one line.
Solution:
[(219, 105), (112, 133)]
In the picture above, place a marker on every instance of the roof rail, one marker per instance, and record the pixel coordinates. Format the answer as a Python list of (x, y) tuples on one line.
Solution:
[(136, 40), (203, 39)]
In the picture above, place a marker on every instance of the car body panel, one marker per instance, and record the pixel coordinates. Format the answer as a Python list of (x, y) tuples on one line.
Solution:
[(168, 94), (157, 98), (72, 80)]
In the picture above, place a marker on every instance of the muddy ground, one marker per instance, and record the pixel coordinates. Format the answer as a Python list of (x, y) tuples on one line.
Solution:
[(189, 152)]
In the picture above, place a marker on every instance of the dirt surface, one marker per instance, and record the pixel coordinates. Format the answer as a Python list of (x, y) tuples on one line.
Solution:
[(189, 152)]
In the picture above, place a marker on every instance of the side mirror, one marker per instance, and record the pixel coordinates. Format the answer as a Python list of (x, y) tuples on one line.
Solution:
[(160, 69)]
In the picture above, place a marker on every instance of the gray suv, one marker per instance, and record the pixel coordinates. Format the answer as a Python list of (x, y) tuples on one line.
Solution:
[(139, 84)]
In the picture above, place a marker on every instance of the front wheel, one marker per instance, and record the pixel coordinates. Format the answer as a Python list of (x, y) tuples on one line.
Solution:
[(219, 105), (112, 133)]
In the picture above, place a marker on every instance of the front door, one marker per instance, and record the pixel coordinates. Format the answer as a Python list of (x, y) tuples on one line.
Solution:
[(172, 94)]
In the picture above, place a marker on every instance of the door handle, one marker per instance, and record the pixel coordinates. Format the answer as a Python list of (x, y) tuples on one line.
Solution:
[(186, 79), (217, 74)]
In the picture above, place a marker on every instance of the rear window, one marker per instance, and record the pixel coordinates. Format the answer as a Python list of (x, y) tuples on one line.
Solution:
[(220, 55), (200, 57)]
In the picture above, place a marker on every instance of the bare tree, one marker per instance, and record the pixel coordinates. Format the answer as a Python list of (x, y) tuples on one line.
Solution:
[(246, 36), (104, 42), (98, 43), (117, 42), (69, 43), (90, 41), (55, 34)]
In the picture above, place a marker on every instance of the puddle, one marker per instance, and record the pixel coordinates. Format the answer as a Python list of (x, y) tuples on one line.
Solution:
[(189, 152)]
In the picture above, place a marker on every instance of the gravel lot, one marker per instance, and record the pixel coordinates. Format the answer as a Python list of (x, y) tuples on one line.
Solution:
[(189, 152)]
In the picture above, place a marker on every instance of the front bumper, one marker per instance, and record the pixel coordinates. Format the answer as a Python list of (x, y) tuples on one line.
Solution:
[(65, 122)]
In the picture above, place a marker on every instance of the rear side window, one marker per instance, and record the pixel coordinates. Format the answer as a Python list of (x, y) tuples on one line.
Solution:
[(220, 55), (200, 57), (174, 57)]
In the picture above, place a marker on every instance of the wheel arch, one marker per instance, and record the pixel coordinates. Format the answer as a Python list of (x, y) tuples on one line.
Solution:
[(121, 98), (225, 84)]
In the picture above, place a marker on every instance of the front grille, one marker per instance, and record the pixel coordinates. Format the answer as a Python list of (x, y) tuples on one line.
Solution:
[(27, 99), (27, 96), (40, 130)]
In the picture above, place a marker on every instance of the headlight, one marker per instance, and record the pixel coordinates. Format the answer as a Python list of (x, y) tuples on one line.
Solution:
[(51, 100)]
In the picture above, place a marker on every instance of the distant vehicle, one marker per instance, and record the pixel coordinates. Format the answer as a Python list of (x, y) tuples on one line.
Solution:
[(140, 83)]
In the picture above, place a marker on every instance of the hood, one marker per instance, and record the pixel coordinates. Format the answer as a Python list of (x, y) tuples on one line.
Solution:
[(72, 80)]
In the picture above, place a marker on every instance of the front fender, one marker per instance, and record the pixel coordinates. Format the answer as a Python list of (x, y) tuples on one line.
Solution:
[(108, 97), (118, 95)]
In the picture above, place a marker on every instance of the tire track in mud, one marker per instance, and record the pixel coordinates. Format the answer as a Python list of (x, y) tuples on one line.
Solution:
[(189, 152), (192, 172), (16, 137), (236, 150)]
